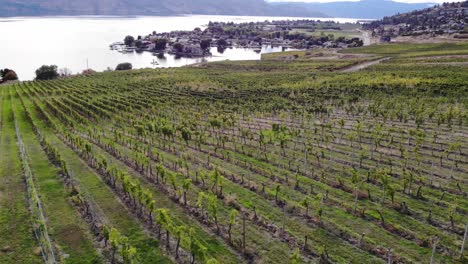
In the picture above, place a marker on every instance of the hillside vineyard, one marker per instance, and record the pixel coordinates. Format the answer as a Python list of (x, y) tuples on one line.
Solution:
[(284, 160)]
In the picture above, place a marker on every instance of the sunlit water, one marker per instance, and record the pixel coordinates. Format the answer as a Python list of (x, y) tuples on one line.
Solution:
[(80, 42)]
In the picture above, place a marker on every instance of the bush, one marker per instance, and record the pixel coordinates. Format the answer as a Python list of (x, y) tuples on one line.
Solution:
[(124, 66), (47, 72)]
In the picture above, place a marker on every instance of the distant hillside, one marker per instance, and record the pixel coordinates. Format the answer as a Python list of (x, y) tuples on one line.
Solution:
[(366, 9), (151, 7), (448, 18)]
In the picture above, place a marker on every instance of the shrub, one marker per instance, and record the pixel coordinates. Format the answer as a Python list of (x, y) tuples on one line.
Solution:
[(124, 66)]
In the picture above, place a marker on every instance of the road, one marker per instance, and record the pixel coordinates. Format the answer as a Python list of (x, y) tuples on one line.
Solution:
[(363, 65)]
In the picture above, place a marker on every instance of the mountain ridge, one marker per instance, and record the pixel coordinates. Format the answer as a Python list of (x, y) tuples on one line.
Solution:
[(9, 8), (365, 9)]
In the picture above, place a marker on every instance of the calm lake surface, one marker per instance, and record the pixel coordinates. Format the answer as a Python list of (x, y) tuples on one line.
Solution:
[(75, 42)]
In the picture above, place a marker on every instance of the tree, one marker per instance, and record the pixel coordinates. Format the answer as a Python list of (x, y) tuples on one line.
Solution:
[(8, 75), (160, 44), (139, 44), (124, 66), (129, 40), (47, 72), (178, 47), (222, 43), (205, 44)]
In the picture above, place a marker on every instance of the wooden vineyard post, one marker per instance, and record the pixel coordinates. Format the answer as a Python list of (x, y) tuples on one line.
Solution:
[(435, 240), (462, 249), (284, 218), (305, 242), (389, 255), (243, 234)]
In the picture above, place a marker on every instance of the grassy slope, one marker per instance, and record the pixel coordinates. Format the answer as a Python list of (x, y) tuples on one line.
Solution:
[(15, 221), (65, 225), (412, 50), (216, 248), (373, 75), (113, 211)]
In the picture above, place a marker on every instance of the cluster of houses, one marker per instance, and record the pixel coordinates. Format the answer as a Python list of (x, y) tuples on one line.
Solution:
[(448, 18), (254, 35)]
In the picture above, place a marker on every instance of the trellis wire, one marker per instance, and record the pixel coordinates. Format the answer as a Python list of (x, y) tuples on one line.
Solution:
[(40, 227)]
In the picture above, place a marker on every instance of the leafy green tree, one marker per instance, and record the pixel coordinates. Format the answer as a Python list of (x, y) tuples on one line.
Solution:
[(47, 72)]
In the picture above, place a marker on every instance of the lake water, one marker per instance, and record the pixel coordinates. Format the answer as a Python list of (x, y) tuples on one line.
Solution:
[(80, 42)]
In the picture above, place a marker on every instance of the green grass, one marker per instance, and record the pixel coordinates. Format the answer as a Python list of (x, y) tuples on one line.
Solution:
[(65, 226), (113, 212), (255, 120), (412, 50), (17, 241)]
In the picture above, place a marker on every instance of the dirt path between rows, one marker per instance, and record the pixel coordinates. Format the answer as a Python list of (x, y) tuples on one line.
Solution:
[(363, 65)]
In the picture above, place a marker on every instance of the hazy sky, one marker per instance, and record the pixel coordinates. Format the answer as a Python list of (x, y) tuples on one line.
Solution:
[(404, 1)]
